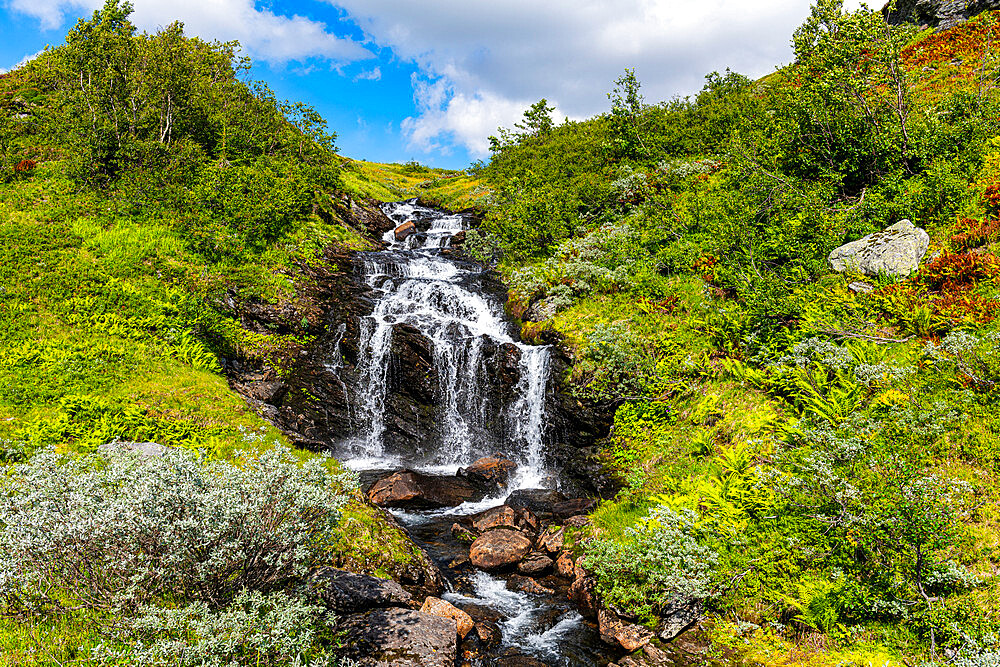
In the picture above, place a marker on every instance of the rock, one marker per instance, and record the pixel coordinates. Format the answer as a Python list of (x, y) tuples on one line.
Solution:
[(571, 508), (349, 593), (564, 565), (678, 615), (497, 549), (940, 14), (462, 534), (538, 501), (527, 585), (614, 630), (411, 489), (527, 520), (496, 517), (577, 521), (861, 288), (141, 448), (540, 311), (268, 392), (535, 564), (518, 661), (896, 250), (405, 230), (439, 607), (655, 655), (400, 638), (582, 593), (492, 472), (488, 633), (551, 539)]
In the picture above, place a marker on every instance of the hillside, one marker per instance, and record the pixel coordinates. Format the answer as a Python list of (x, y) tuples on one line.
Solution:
[(804, 462)]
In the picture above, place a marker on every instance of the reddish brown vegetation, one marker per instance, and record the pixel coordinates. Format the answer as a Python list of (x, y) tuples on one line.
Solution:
[(25, 167), (969, 233)]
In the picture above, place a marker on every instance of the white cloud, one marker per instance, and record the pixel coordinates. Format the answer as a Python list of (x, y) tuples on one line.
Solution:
[(369, 75), (265, 35), (491, 60), (23, 61)]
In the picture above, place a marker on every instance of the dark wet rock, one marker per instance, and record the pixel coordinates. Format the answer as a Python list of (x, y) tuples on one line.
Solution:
[(523, 584), (444, 609), (400, 638), (410, 489), (499, 549), (574, 507), (551, 539), (488, 633), (526, 520), (491, 472), (462, 534), (677, 616), (538, 501), (503, 516), (518, 661), (348, 593), (535, 564), (268, 392), (368, 215), (404, 231), (616, 630)]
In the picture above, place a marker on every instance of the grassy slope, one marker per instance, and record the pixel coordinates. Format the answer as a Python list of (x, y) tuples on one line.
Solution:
[(453, 190)]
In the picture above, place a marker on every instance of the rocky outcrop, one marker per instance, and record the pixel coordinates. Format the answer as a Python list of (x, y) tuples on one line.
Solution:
[(940, 14), (503, 516), (409, 489), (895, 251), (499, 549), (490, 472), (615, 630), (444, 609), (349, 593), (400, 638)]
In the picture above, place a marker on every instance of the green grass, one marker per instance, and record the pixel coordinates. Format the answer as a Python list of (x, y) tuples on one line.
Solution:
[(452, 190)]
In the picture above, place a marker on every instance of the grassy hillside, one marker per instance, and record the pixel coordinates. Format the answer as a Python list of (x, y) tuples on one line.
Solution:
[(817, 463), (452, 190)]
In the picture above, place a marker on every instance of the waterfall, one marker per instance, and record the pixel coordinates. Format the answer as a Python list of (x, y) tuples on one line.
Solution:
[(418, 286)]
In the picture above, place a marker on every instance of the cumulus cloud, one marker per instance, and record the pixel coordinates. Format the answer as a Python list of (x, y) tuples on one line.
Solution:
[(23, 61), (369, 75), (491, 60), (265, 35)]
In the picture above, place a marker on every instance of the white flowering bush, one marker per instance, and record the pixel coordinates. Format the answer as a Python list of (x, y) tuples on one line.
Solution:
[(118, 530), (254, 629), (661, 559)]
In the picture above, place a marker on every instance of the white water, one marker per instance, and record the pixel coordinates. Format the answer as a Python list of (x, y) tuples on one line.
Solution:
[(416, 286)]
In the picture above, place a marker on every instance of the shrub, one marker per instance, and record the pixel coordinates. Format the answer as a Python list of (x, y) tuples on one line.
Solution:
[(119, 530), (658, 560)]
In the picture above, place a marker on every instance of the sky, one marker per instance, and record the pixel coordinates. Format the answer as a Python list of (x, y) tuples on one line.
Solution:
[(431, 80)]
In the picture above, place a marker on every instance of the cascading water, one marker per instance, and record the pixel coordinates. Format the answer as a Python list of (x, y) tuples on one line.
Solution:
[(478, 409), (417, 286)]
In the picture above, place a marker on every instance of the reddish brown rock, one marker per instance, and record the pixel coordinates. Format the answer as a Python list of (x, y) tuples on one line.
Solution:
[(462, 534), (496, 517), (583, 595), (497, 549), (444, 609), (405, 230), (489, 471), (535, 564), (564, 565), (414, 490), (615, 630), (551, 540), (527, 520), (527, 585), (578, 521)]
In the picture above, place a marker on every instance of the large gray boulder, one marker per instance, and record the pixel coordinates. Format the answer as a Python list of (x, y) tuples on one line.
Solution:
[(896, 251), (401, 638), (348, 593)]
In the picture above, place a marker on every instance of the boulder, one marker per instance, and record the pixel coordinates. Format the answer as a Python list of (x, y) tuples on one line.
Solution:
[(564, 565), (496, 517), (404, 231), (409, 489), (896, 251), (400, 638), (551, 539), (349, 593), (535, 564), (527, 585), (578, 521), (583, 594), (497, 549), (678, 615), (615, 630), (518, 661), (492, 472), (538, 501), (572, 508), (268, 392), (462, 534), (444, 609)]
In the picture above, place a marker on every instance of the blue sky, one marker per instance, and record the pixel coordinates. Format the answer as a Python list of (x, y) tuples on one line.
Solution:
[(430, 80)]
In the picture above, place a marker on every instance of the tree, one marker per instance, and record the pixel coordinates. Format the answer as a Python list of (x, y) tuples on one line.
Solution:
[(626, 118), (537, 119)]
